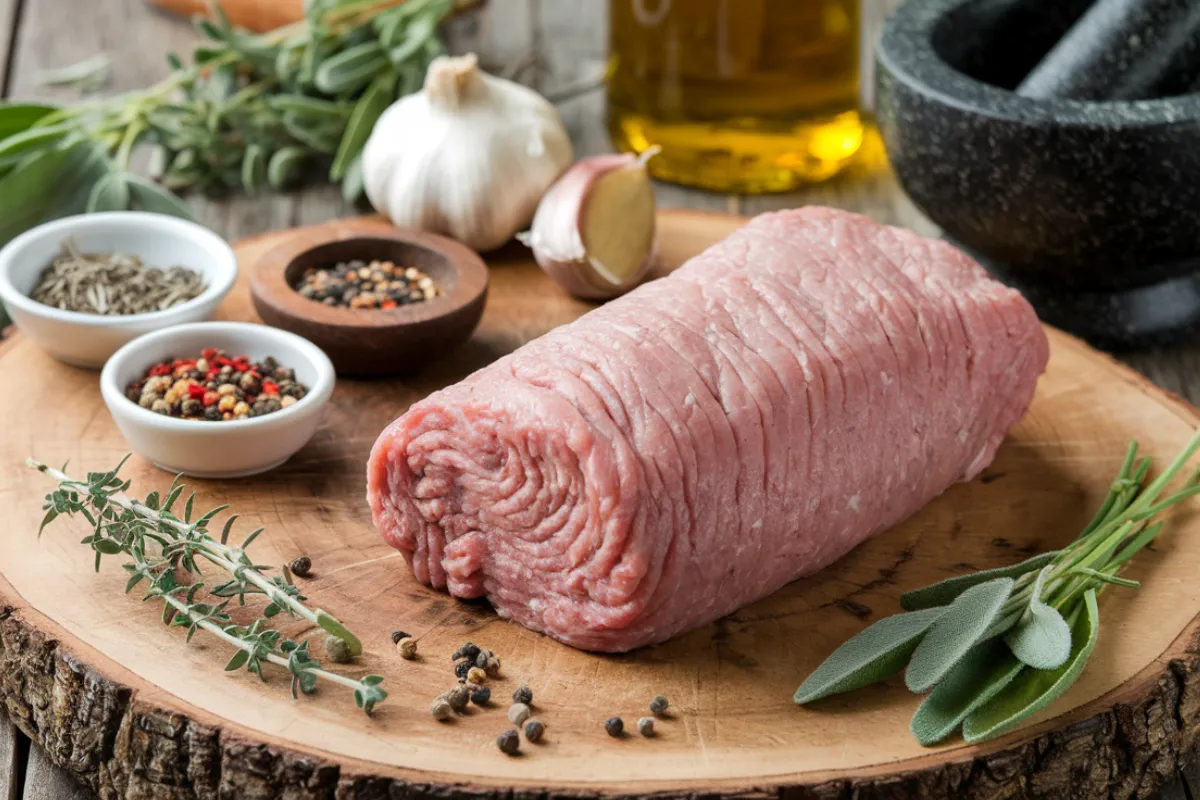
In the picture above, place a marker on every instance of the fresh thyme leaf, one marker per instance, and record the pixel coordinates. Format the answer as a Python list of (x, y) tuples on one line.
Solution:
[(158, 546), (961, 627), (944, 592), (1042, 638), (876, 653), (1034, 689), (982, 674)]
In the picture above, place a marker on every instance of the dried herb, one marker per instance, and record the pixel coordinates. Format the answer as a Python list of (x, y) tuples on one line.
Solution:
[(113, 284), (999, 645), (159, 546), (251, 111)]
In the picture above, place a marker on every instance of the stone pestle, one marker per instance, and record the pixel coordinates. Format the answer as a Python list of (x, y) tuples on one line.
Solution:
[(1123, 50)]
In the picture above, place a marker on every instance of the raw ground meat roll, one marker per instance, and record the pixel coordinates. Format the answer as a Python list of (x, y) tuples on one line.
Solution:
[(810, 381)]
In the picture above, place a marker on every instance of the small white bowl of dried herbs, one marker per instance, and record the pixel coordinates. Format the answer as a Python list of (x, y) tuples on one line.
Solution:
[(83, 286)]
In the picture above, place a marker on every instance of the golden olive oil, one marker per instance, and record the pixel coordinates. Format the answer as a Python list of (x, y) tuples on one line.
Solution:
[(741, 95)]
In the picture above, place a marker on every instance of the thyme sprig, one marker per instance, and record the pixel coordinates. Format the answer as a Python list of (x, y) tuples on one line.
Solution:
[(159, 545), (993, 647)]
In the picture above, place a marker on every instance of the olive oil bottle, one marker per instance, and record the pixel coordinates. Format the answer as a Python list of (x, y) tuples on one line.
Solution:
[(741, 95)]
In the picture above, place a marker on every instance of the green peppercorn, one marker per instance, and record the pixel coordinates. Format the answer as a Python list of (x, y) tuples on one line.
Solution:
[(615, 727), (509, 742), (338, 650), (523, 695), (518, 713), (440, 709), (534, 730)]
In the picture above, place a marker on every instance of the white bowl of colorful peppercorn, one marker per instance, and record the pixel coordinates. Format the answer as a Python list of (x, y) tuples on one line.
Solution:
[(218, 399), (115, 276)]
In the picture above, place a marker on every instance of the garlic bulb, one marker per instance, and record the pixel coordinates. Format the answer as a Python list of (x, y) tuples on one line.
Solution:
[(468, 156), (594, 230)]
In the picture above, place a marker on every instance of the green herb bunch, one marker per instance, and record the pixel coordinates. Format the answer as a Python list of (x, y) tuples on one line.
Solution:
[(160, 548), (994, 647), (252, 110)]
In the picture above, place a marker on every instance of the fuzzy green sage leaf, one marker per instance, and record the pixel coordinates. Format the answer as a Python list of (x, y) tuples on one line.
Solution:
[(944, 592), (1042, 638), (977, 678), (961, 627), (877, 653), (1034, 689)]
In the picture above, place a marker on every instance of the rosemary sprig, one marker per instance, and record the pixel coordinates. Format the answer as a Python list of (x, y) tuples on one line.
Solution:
[(998, 645), (159, 545)]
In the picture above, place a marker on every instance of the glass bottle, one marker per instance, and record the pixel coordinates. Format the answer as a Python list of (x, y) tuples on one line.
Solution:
[(741, 95)]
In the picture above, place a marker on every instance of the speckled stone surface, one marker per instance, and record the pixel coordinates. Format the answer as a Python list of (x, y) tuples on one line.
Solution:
[(1122, 50), (1085, 206)]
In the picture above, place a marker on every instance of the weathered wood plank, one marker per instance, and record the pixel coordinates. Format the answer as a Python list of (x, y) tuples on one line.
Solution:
[(8, 22), (10, 760), (1175, 790), (45, 781)]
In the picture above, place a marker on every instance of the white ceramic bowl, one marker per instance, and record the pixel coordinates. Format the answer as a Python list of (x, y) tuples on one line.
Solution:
[(229, 449), (87, 340)]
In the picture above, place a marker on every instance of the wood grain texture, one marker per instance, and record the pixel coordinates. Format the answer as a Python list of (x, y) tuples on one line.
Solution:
[(126, 707), (10, 761), (45, 781), (8, 32)]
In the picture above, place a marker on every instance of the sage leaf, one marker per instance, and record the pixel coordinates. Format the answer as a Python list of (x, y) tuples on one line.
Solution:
[(286, 166), (415, 37), (110, 193), (254, 169), (1034, 689), (238, 661), (944, 592), (977, 678), (353, 187), (18, 117), (367, 111), (876, 653), (19, 144), (961, 627), (149, 197), (1042, 639)]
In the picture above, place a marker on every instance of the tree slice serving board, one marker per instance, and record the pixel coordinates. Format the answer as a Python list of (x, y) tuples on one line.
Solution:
[(122, 702)]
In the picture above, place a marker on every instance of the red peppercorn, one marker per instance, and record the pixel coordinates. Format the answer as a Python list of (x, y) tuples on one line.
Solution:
[(196, 391), (209, 353), (270, 387), (159, 370), (211, 398)]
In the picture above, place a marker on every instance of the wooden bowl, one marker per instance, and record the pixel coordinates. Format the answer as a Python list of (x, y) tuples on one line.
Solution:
[(373, 341)]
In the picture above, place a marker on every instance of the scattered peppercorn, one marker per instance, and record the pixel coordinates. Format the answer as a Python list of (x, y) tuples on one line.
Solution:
[(614, 727), (488, 661), (216, 387), (476, 676), (481, 696), (440, 709), (398, 635), (461, 669), (658, 706), (523, 695), (338, 650), (468, 650), (407, 648), (359, 284), (534, 730), (518, 713), (509, 742), (645, 726), (458, 697), (301, 567)]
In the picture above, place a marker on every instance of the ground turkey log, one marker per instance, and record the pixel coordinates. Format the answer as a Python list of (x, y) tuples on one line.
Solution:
[(810, 381)]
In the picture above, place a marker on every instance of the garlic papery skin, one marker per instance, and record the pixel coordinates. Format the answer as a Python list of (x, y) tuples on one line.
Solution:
[(469, 156), (594, 231)]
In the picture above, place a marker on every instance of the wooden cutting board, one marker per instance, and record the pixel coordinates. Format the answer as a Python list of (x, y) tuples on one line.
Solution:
[(123, 703)]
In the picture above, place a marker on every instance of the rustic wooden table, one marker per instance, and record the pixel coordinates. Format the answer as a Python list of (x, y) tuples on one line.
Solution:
[(557, 46)]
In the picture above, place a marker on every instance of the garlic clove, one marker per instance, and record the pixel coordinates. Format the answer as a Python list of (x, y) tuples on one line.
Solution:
[(594, 231)]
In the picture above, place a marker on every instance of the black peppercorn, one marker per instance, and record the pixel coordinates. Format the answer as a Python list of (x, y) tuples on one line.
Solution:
[(509, 742), (397, 636), (615, 726), (523, 695), (468, 650), (301, 567), (534, 730), (481, 696), (191, 407), (462, 668), (212, 414), (658, 706)]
